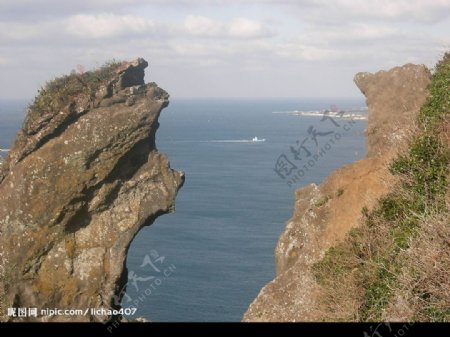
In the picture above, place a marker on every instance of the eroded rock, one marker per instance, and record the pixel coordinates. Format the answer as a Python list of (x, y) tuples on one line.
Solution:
[(324, 214), (76, 188)]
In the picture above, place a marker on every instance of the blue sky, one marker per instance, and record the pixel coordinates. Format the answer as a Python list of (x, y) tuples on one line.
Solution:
[(218, 48)]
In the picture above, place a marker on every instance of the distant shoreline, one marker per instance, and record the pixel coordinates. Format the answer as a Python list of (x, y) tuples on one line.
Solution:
[(352, 114)]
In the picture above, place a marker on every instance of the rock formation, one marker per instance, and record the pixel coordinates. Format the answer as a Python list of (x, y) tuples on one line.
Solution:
[(324, 214), (83, 177)]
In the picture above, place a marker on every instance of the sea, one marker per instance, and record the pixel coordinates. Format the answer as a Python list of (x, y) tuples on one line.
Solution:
[(207, 261)]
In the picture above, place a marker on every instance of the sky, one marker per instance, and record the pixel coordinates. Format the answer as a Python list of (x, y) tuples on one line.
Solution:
[(221, 48)]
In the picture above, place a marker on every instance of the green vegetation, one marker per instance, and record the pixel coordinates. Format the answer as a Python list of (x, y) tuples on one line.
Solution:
[(58, 93), (395, 250), (339, 192), (322, 201)]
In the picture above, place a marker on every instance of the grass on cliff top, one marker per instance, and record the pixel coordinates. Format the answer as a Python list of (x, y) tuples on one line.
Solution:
[(58, 93), (396, 265)]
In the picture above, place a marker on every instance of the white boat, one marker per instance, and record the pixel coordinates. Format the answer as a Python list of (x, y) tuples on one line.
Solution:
[(4, 150), (256, 139)]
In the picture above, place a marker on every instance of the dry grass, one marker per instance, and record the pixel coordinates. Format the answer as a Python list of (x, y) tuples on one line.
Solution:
[(396, 265), (358, 276), (424, 281), (58, 93), (389, 269)]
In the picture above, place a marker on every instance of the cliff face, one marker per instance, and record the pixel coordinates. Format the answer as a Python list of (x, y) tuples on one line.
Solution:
[(83, 177), (324, 214)]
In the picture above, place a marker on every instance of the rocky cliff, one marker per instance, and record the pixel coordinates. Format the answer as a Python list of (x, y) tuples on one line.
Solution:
[(82, 178), (325, 214)]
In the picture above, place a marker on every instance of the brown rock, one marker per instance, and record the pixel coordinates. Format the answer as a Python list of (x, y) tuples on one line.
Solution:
[(324, 214), (71, 204), (392, 96)]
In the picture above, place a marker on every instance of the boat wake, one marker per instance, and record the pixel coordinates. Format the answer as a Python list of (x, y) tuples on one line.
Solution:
[(254, 140)]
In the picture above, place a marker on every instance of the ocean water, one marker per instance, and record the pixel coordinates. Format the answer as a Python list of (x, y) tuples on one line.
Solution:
[(12, 113), (209, 259)]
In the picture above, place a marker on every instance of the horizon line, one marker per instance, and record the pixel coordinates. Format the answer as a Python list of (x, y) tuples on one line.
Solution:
[(224, 98)]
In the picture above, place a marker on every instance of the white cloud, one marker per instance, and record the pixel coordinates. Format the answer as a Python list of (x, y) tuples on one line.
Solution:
[(245, 28), (365, 32), (16, 32), (202, 26), (81, 26), (236, 39), (25, 31), (114, 26), (420, 10), (23, 10), (108, 25), (354, 35), (425, 11), (336, 10), (238, 28)]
